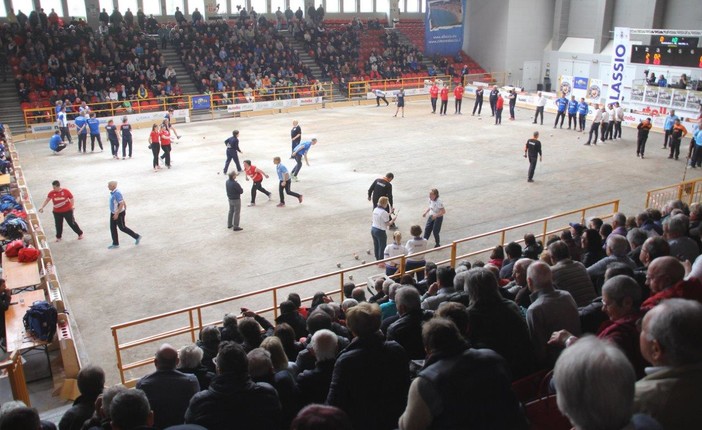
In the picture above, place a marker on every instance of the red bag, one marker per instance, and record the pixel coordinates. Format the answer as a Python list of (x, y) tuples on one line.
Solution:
[(13, 248), (18, 213), (27, 255)]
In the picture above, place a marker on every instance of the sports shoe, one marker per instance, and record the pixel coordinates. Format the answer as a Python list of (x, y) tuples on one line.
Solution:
[(138, 239), (295, 179), (237, 229), (80, 237), (251, 204), (280, 205), (58, 239), (300, 199), (113, 247)]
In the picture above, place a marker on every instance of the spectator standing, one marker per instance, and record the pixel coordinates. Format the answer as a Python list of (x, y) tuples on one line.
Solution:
[(169, 391), (5, 300), (126, 131), (118, 215), (284, 182), (436, 213), (234, 192), (256, 176), (300, 151), (532, 150), (62, 201), (232, 145)]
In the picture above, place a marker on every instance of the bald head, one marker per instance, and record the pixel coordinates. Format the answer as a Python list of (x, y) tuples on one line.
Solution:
[(166, 357), (664, 272), (539, 276)]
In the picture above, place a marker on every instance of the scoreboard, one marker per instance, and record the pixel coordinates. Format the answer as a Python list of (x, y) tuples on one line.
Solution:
[(675, 40), (667, 55)]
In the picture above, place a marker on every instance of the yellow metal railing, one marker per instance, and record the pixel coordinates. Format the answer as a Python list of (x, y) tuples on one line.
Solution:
[(217, 101), (492, 78), (183, 325), (361, 88), (687, 191)]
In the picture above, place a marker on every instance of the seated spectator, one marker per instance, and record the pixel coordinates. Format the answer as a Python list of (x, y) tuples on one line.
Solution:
[(646, 223), (573, 246), (295, 298), (497, 256), (407, 330), (359, 294), (460, 387), (280, 360), (356, 373), (253, 329), (518, 289), (168, 390), (389, 308), (636, 238), (675, 230), (291, 346), (592, 247), (513, 252), (621, 298), (317, 321), (439, 291), (551, 310), (101, 417), (262, 371), (290, 315), (570, 276), (209, 343), (348, 289), (314, 383), (532, 247), (24, 418), (665, 280), (190, 362), (321, 417), (670, 341), (497, 324), (617, 249), (595, 388), (91, 381), (233, 397), (130, 410), (230, 329)]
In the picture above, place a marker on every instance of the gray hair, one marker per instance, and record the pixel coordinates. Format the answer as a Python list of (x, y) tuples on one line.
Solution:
[(675, 324), (108, 395), (459, 281), (620, 219), (539, 273), (636, 237), (481, 285), (324, 344), (595, 385), (260, 363), (559, 251), (620, 287), (229, 320), (678, 225), (408, 297), (8, 406), (393, 289), (386, 285), (617, 244), (190, 356), (348, 304)]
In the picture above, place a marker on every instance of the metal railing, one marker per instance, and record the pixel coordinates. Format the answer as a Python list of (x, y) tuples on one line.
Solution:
[(361, 88), (184, 325), (687, 191), (213, 102), (492, 78)]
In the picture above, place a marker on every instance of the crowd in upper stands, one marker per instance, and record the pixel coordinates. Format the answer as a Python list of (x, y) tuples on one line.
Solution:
[(54, 61), (615, 308), (395, 60)]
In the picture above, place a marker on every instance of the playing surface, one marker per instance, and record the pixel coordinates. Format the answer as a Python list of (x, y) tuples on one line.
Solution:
[(187, 256)]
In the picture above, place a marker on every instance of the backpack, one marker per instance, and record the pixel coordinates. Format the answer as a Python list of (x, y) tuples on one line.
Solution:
[(41, 319), (27, 255), (12, 249)]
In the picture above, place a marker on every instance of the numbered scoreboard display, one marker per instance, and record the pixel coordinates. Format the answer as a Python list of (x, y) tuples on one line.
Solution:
[(667, 55)]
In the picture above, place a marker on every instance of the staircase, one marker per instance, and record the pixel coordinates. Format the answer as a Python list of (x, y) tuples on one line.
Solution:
[(171, 58), (10, 112), (405, 40)]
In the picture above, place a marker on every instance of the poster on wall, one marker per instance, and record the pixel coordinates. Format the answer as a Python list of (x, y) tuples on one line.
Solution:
[(594, 91), (637, 94), (651, 95), (679, 97), (566, 86), (580, 87), (665, 95), (693, 101), (444, 27)]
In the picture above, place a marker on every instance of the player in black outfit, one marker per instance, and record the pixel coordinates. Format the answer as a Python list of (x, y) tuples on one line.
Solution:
[(493, 100), (295, 136), (126, 131), (382, 187), (479, 100), (533, 150)]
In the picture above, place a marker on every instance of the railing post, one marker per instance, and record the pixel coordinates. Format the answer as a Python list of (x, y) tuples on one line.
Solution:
[(402, 266), (192, 325), (502, 237), (119, 356), (616, 206), (341, 286), (454, 250), (275, 303), (543, 236)]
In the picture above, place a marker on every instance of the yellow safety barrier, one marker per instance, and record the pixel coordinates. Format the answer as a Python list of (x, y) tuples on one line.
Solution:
[(687, 191), (184, 325), (360, 88), (492, 78)]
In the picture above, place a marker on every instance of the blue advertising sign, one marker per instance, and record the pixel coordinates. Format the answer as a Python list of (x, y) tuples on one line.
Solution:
[(444, 27), (201, 102)]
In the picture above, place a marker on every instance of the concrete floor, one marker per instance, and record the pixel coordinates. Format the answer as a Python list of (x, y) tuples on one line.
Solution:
[(187, 256)]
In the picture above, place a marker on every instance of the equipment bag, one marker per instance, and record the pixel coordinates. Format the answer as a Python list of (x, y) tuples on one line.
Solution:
[(41, 319)]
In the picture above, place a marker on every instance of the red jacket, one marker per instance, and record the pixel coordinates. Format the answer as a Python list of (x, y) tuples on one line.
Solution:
[(500, 102), (625, 335), (444, 94), (690, 289), (458, 92), (434, 91)]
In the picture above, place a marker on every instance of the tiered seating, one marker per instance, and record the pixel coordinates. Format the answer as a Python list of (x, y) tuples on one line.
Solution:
[(413, 29), (336, 51)]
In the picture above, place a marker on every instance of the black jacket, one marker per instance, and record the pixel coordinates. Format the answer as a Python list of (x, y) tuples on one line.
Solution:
[(296, 321), (371, 367), (169, 393), (235, 401), (407, 331), (314, 384), (81, 411)]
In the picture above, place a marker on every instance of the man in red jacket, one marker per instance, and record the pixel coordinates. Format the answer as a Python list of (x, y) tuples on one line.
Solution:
[(458, 94), (664, 278), (433, 94), (499, 105), (444, 99)]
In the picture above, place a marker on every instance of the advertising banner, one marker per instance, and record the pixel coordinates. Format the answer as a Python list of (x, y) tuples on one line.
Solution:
[(566, 86), (444, 26), (134, 119), (620, 57), (274, 104), (594, 91), (201, 102), (580, 86)]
